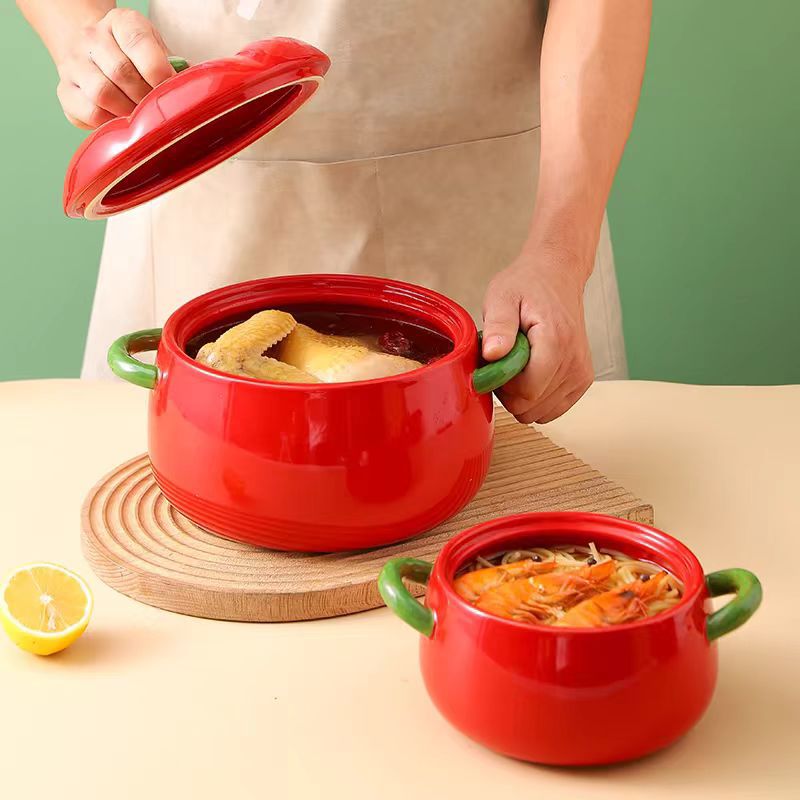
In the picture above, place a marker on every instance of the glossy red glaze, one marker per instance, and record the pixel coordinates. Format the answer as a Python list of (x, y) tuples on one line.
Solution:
[(319, 467), (190, 123), (560, 695)]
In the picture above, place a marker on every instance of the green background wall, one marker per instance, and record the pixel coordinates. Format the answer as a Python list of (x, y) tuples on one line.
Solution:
[(703, 210)]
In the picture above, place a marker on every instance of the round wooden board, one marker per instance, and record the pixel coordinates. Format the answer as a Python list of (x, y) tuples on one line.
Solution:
[(138, 544)]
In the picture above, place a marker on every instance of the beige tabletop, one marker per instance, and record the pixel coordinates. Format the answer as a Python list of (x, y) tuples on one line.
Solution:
[(150, 704)]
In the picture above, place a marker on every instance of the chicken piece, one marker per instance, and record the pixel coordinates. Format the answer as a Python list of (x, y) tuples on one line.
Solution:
[(239, 350), (270, 369), (335, 359)]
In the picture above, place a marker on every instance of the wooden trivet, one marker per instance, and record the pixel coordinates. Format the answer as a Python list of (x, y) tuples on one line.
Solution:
[(138, 544)]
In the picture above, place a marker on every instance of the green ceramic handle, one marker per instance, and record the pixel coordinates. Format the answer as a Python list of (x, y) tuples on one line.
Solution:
[(747, 589), (125, 366), (399, 599), (497, 373), (178, 64)]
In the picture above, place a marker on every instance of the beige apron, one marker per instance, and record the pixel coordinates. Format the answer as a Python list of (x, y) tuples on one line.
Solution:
[(417, 159)]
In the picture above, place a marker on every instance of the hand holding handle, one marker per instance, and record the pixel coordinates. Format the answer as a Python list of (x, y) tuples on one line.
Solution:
[(492, 376)]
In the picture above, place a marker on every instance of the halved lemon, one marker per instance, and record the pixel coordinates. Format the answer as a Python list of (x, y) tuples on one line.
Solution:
[(44, 608)]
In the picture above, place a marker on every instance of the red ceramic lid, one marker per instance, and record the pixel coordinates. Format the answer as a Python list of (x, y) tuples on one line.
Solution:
[(190, 123)]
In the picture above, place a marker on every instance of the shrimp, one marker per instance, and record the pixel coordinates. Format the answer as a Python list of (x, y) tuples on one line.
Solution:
[(471, 585), (540, 598), (624, 604)]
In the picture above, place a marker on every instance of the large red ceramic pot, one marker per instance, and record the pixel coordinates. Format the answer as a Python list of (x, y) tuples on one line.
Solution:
[(569, 696), (318, 467)]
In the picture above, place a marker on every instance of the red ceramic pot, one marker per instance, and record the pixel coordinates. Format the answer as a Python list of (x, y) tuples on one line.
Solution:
[(318, 467), (569, 696)]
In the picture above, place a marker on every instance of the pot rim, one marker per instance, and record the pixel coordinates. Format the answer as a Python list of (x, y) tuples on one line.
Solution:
[(469, 542), (458, 324)]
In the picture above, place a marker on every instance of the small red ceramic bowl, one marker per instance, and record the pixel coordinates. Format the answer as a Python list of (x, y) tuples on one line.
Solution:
[(312, 466), (569, 696)]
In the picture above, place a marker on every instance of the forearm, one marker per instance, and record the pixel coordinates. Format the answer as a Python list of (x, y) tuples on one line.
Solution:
[(593, 59), (57, 20)]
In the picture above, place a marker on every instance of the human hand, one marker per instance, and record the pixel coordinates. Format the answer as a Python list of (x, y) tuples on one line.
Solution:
[(541, 294), (109, 67)]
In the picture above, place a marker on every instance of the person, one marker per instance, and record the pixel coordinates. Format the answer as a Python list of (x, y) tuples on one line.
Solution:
[(469, 147)]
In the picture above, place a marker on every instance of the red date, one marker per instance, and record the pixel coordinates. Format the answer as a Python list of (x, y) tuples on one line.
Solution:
[(395, 343)]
